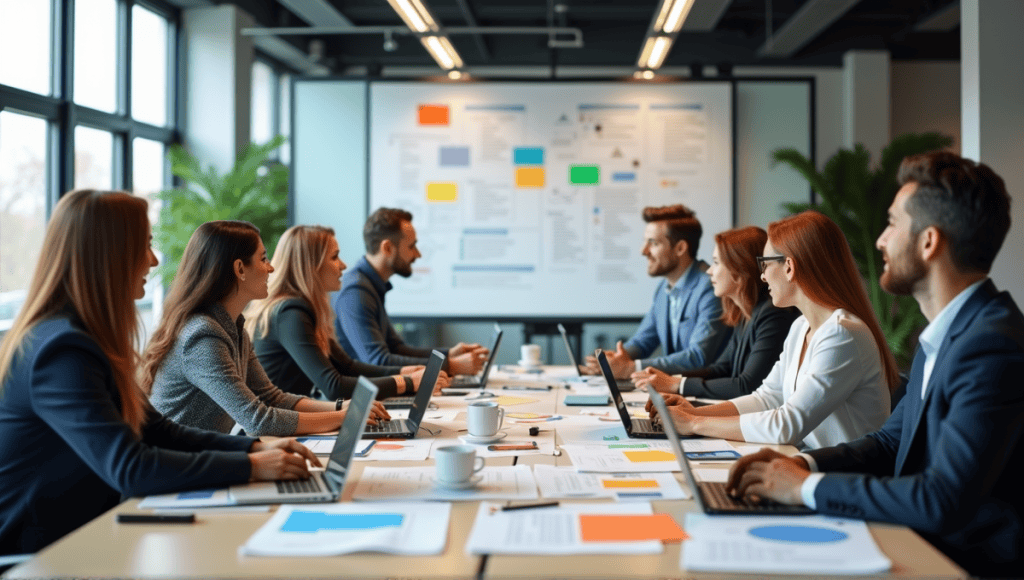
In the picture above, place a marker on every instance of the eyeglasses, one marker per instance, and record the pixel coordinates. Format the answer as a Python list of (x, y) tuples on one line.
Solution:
[(762, 261)]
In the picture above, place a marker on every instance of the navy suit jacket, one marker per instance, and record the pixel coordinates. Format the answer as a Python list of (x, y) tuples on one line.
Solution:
[(66, 456), (944, 466)]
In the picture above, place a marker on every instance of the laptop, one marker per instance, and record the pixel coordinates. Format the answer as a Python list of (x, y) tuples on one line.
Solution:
[(322, 486), (711, 495), (409, 401), (407, 428), (635, 426), (625, 385), (472, 381)]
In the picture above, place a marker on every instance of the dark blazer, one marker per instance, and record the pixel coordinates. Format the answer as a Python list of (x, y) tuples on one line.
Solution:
[(752, 351), (295, 364), (944, 466), (67, 456)]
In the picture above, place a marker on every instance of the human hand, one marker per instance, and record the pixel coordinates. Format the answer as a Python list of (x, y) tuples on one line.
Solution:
[(621, 362), (280, 459), (684, 422), (409, 370), (443, 382), (660, 380), (473, 347), (670, 400), (769, 474), (592, 367), (379, 411), (467, 363)]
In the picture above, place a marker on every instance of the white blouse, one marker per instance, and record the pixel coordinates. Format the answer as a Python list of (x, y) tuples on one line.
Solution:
[(838, 395)]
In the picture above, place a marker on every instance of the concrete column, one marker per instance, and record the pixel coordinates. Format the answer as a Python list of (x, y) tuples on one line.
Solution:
[(866, 100), (218, 83), (992, 96)]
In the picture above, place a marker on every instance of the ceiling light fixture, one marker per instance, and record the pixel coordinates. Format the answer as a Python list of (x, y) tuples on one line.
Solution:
[(418, 18), (658, 52), (675, 15), (665, 26), (415, 15)]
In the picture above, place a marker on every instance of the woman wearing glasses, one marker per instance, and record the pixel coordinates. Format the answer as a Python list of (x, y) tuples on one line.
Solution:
[(833, 380), (760, 327)]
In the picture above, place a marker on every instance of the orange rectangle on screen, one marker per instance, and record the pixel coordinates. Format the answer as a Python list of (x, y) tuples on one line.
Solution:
[(630, 528), (529, 177), (442, 191), (433, 114), (612, 483)]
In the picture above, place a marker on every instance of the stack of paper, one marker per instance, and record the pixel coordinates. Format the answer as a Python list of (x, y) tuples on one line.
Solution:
[(566, 482), (329, 530), (628, 456), (418, 483)]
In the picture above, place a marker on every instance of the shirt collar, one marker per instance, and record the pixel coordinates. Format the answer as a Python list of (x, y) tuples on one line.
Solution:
[(679, 283), (366, 269), (933, 334)]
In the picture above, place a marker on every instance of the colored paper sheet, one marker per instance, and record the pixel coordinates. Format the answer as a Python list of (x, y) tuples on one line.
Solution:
[(610, 483), (454, 156), (529, 177), (645, 456), (433, 115), (310, 522), (584, 174), (630, 528), (629, 446), (528, 156), (442, 191), (201, 494), (506, 401)]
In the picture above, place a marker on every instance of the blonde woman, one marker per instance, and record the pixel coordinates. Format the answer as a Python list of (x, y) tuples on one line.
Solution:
[(293, 328), (78, 433)]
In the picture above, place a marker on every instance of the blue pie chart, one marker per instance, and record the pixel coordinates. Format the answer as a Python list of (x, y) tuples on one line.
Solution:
[(799, 534)]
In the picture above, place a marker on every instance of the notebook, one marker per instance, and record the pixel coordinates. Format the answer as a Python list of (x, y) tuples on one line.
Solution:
[(322, 486), (407, 428), (625, 385), (635, 427), (711, 495), (472, 381)]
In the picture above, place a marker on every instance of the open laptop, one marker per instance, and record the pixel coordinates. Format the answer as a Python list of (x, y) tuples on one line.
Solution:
[(407, 428), (635, 426), (625, 385), (711, 495), (322, 486), (472, 381)]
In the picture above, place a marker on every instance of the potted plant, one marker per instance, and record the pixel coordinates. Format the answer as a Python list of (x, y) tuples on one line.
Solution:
[(253, 191), (857, 197)]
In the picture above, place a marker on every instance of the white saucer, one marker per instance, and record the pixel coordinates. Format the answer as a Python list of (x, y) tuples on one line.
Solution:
[(483, 440), (468, 484), (529, 364)]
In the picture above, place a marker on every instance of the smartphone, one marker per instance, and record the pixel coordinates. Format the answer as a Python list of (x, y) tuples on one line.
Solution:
[(712, 455), (514, 447)]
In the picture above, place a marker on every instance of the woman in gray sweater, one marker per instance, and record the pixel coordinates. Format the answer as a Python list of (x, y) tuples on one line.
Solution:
[(200, 368)]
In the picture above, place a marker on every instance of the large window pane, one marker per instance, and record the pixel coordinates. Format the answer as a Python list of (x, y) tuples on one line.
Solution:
[(25, 44), (94, 155), (96, 54), (284, 116), (263, 89), (149, 66), (22, 207), (148, 171)]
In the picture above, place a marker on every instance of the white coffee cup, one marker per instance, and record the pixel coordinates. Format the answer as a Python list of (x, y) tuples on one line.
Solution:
[(529, 355), (484, 418), (457, 463)]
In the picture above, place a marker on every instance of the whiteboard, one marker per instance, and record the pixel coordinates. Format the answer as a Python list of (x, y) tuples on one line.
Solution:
[(527, 198)]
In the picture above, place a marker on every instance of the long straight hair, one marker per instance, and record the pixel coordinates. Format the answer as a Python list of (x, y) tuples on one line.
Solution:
[(94, 249), (827, 274), (205, 276), (300, 253), (737, 253)]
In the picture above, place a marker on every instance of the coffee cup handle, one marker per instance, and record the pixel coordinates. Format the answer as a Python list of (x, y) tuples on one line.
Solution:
[(501, 417), (478, 464)]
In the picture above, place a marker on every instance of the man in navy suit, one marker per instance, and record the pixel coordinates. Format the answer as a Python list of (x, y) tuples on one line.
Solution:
[(686, 317), (943, 462)]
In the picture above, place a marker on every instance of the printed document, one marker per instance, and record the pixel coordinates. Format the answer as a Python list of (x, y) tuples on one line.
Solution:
[(566, 482), (630, 456), (418, 483)]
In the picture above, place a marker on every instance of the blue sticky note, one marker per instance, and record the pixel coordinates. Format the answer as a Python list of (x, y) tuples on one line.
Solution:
[(528, 156), (454, 157), (623, 176), (198, 494), (304, 522)]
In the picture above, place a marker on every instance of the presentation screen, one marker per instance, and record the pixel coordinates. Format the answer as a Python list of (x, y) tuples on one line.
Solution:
[(527, 198)]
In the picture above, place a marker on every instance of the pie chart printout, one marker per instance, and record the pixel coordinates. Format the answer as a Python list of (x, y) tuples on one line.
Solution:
[(799, 534)]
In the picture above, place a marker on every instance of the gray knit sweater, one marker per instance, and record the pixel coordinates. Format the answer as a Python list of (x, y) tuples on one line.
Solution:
[(211, 379)]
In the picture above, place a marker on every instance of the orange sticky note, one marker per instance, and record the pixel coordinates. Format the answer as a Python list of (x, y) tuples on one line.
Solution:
[(433, 114), (610, 483), (645, 456), (529, 177), (442, 191), (630, 528)]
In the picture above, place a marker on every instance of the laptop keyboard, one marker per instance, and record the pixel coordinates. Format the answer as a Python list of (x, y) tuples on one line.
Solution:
[(385, 427), (464, 380), (399, 400), (645, 425), (716, 497), (298, 486)]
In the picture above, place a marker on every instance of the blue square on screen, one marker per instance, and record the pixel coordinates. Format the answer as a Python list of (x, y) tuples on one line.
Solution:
[(454, 157)]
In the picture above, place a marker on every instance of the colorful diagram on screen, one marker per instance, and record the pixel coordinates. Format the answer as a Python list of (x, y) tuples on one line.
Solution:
[(799, 534)]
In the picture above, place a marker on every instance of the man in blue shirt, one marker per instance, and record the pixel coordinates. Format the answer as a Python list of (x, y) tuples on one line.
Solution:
[(686, 317), (362, 324), (943, 463)]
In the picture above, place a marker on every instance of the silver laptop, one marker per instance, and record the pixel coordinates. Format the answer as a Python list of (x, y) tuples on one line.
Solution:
[(635, 426), (322, 486), (472, 381), (711, 496), (407, 428), (625, 385)]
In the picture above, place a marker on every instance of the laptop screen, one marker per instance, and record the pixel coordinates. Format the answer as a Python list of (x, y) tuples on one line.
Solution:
[(427, 381), (568, 349), (350, 433), (609, 378), (490, 359), (677, 444)]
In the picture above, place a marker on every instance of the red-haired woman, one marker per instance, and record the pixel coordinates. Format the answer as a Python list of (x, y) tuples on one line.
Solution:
[(833, 380), (760, 327)]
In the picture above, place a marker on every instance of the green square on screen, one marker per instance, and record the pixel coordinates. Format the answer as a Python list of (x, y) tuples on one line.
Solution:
[(584, 174)]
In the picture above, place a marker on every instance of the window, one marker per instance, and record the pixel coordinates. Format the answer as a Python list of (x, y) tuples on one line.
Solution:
[(270, 106), (149, 66), (96, 54), (94, 152), (25, 32), (148, 159)]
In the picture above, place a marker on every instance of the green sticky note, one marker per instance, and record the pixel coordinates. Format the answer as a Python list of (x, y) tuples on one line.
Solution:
[(584, 174), (629, 446)]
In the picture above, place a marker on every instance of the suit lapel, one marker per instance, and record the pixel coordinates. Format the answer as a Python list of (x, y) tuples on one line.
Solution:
[(913, 409), (661, 322)]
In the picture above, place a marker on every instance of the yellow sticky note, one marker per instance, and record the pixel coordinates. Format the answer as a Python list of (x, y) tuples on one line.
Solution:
[(506, 400), (610, 483), (630, 528), (442, 191), (529, 177), (646, 456)]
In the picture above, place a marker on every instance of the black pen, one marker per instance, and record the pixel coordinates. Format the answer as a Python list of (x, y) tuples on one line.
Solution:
[(529, 506), (156, 518)]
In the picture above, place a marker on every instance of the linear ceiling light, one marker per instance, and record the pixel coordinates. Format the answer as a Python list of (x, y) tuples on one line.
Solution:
[(658, 52), (443, 52), (416, 16), (673, 13)]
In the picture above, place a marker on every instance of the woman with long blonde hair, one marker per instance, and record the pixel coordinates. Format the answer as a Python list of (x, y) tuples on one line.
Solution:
[(833, 380), (293, 328), (78, 433), (200, 368)]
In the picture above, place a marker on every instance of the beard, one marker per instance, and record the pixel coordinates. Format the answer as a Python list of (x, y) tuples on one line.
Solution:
[(900, 280), (662, 267), (401, 267)]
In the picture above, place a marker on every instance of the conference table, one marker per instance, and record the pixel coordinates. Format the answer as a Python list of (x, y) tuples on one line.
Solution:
[(209, 547)]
